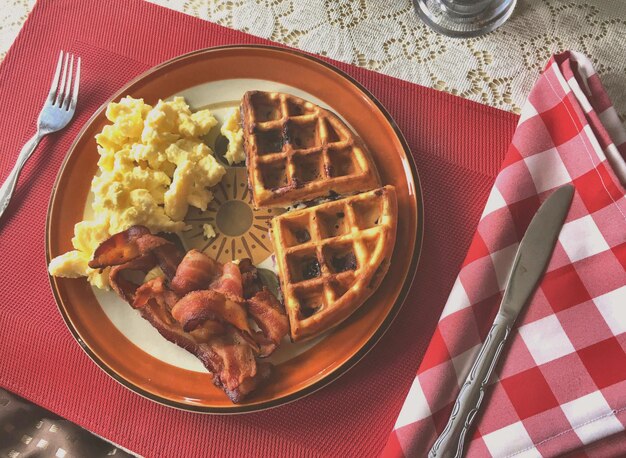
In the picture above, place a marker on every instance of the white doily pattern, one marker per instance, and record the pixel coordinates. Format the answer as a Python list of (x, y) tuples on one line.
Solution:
[(497, 69)]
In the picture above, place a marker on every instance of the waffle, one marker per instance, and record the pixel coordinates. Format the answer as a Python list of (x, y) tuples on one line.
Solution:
[(332, 257), (296, 150)]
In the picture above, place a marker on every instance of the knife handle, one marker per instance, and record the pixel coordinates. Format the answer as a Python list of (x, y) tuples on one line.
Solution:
[(450, 442)]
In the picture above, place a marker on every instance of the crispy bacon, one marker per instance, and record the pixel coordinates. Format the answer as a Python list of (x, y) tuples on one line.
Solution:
[(155, 289), (124, 247), (264, 309), (269, 315), (133, 243), (196, 271), (209, 329), (199, 305), (124, 287), (239, 372), (134, 249), (223, 352), (229, 359), (119, 248), (230, 283), (250, 279), (169, 257)]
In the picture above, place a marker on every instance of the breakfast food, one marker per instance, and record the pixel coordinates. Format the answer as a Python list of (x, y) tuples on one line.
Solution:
[(332, 257), (231, 129), (208, 231), (200, 305), (296, 150), (153, 165)]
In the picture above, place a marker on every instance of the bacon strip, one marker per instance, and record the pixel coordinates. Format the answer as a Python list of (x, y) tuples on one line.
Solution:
[(264, 309), (250, 279), (124, 247), (230, 283), (134, 249), (132, 243), (239, 371), (169, 257), (230, 360), (269, 315), (199, 306), (123, 287), (196, 271), (209, 329), (155, 289), (202, 307)]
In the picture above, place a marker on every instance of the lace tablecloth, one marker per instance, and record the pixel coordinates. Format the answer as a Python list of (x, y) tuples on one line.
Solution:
[(497, 69)]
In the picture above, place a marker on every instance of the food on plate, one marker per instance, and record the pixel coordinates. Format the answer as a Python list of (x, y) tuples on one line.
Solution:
[(208, 231), (153, 165), (296, 150), (332, 257), (200, 305), (231, 129)]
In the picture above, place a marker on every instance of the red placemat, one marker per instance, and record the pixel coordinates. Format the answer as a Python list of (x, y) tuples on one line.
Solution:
[(458, 146)]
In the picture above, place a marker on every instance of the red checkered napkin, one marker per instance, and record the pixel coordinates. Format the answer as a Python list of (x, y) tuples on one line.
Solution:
[(562, 382)]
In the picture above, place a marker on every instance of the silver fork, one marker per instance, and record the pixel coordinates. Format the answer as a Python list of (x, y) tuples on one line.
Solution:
[(56, 113)]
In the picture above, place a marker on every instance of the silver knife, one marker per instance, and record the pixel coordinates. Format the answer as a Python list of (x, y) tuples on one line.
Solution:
[(530, 262)]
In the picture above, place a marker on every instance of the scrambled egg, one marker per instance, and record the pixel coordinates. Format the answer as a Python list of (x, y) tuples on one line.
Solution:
[(152, 166), (231, 129), (208, 231)]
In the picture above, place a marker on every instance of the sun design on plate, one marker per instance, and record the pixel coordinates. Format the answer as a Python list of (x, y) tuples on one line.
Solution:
[(241, 231)]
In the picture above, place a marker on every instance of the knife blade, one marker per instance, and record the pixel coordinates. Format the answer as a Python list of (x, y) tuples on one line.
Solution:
[(531, 260)]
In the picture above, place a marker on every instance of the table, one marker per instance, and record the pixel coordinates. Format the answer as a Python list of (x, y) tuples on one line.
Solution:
[(498, 69)]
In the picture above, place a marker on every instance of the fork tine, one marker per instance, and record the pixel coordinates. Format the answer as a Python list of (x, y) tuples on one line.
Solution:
[(55, 80), (68, 86), (76, 83), (62, 85)]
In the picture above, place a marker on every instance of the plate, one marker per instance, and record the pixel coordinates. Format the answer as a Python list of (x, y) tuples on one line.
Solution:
[(125, 345)]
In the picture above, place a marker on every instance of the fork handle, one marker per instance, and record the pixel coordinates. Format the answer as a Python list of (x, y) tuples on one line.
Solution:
[(6, 191)]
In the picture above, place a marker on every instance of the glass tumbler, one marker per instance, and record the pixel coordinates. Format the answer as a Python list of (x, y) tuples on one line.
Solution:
[(464, 18)]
